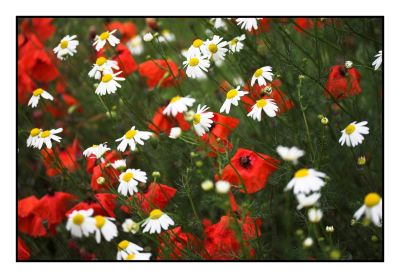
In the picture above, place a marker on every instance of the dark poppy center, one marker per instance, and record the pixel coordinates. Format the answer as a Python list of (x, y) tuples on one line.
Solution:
[(245, 161)]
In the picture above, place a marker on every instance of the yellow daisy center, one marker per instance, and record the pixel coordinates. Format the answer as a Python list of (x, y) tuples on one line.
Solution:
[(258, 73), (106, 78), (45, 134), (123, 245), (231, 94), (127, 176), (234, 41), (261, 103), (155, 214), (64, 44), (130, 134), (196, 119), (350, 129), (193, 62), (372, 199), (104, 35), (213, 48), (100, 221), (130, 257), (95, 146), (100, 61), (38, 92), (197, 43), (301, 173), (78, 219), (35, 132), (175, 99)]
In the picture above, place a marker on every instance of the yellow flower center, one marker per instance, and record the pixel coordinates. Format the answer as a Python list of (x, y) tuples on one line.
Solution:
[(213, 48), (196, 119), (104, 35), (100, 61), (106, 78), (258, 73), (123, 245), (261, 103), (155, 214), (175, 99), (64, 44), (45, 134), (234, 41), (100, 221), (130, 134), (193, 62), (231, 94), (35, 132), (301, 173), (127, 176), (95, 146), (197, 43), (38, 92), (130, 257), (372, 199), (350, 129), (78, 219)]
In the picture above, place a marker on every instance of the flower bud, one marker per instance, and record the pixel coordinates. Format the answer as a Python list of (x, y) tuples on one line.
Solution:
[(324, 120), (361, 160), (101, 180), (308, 242), (222, 187), (148, 37), (348, 64), (156, 174), (207, 185)]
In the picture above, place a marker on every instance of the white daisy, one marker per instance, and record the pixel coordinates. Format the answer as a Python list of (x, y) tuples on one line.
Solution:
[(261, 74), (247, 23), (195, 65), (104, 226), (46, 136), (135, 45), (33, 137), (97, 150), (100, 41), (177, 105), (215, 48), (125, 247), (306, 181), (222, 187), (129, 226), (119, 164), (235, 45), (132, 137), (202, 120), (267, 105), (102, 64), (109, 84), (67, 46), (148, 37), (352, 134), (136, 256), (157, 221), (175, 132), (196, 49), (372, 209), (232, 98), (290, 154), (378, 61), (166, 36), (218, 23), (307, 200), (36, 94), (314, 215), (129, 181), (81, 222)]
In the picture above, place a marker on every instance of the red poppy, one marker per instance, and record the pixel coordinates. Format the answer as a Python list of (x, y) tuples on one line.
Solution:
[(253, 169), (157, 196), (157, 72), (303, 23), (91, 161), (23, 250), (28, 222), (164, 123), (42, 27), (173, 244), (343, 82), (264, 26), (106, 171), (102, 204), (126, 29), (125, 60)]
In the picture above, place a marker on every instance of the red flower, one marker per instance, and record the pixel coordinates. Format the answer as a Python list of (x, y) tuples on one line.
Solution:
[(41, 27), (109, 173), (28, 222), (343, 82), (23, 251), (306, 24), (157, 73), (264, 26), (177, 242), (102, 204), (125, 60), (253, 168), (126, 29), (164, 123), (110, 157), (157, 196)]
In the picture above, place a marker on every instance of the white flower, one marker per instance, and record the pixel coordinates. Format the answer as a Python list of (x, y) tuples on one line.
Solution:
[(261, 74), (177, 105), (372, 209), (215, 48), (308, 242), (306, 181), (104, 226), (235, 45), (267, 105), (329, 229), (119, 164), (102, 64), (109, 84), (196, 49), (131, 137), (247, 23), (378, 61), (218, 23), (232, 98), (352, 134), (100, 41), (129, 226), (222, 187), (129, 181), (125, 248), (46, 136), (97, 150), (33, 137), (195, 65), (81, 222), (166, 36), (188, 116), (290, 154), (157, 221), (307, 200), (207, 185), (67, 46), (175, 132), (36, 94), (314, 215), (202, 120), (136, 256), (148, 37), (135, 45)]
